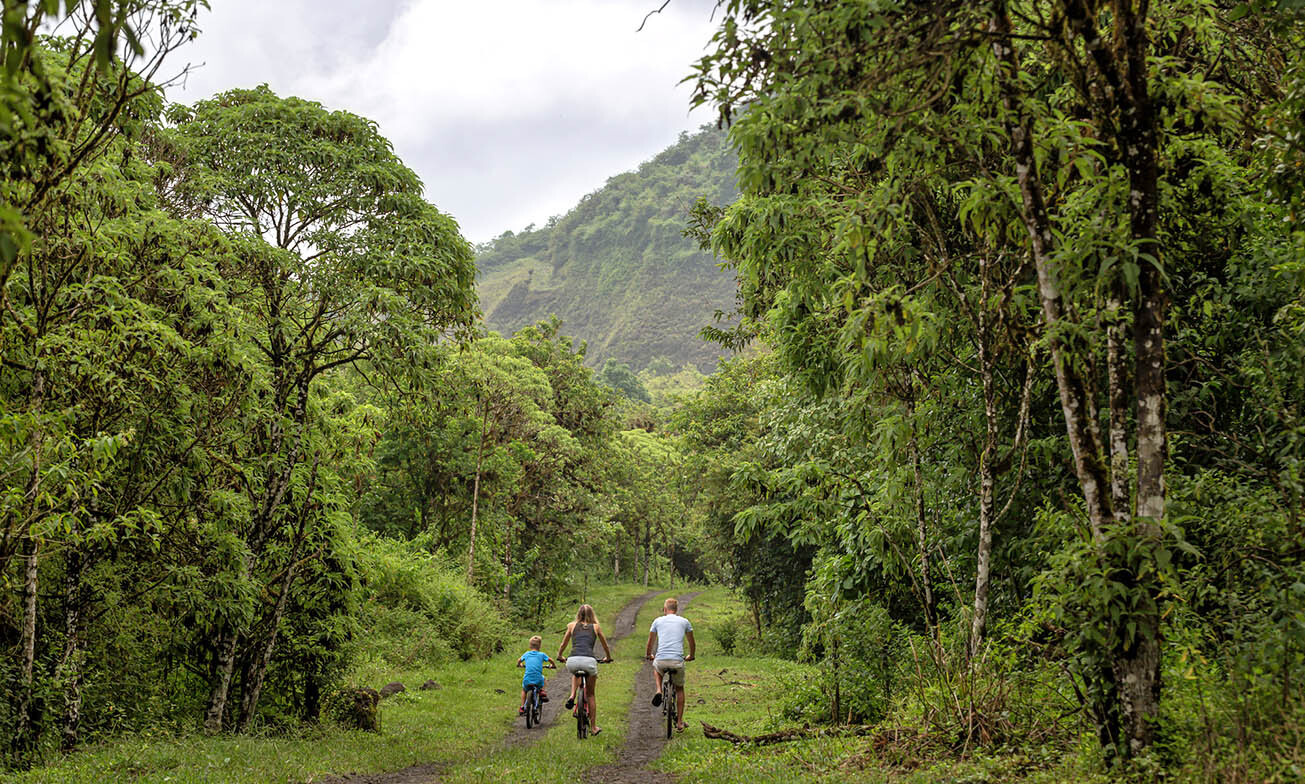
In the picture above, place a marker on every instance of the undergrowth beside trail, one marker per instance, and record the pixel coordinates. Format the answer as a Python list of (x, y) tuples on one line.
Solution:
[(456, 722), (750, 693)]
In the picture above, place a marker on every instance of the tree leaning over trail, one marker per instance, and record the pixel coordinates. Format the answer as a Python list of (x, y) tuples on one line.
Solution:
[(892, 149), (341, 262)]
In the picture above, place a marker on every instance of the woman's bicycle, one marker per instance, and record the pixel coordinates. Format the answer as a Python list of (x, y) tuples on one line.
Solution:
[(582, 702)]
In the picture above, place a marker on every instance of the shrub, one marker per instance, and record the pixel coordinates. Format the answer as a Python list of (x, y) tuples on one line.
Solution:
[(419, 611), (726, 634)]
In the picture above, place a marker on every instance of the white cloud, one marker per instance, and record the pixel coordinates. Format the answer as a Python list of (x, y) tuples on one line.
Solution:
[(509, 110)]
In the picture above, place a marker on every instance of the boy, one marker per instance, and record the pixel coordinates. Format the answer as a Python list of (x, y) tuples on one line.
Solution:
[(534, 660)]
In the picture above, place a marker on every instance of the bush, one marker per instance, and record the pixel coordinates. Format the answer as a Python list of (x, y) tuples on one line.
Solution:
[(419, 611), (726, 634)]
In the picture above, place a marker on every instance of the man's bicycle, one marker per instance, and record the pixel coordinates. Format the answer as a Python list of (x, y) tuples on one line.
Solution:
[(670, 708), (582, 702)]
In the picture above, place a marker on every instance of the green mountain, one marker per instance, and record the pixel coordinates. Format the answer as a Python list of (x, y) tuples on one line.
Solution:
[(616, 268)]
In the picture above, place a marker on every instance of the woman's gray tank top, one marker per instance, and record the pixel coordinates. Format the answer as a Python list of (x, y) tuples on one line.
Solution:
[(582, 640)]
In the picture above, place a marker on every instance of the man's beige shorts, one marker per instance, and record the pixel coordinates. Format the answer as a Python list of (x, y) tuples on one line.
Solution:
[(676, 668)]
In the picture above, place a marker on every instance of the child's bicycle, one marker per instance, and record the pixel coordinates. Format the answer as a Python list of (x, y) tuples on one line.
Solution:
[(582, 702), (534, 706)]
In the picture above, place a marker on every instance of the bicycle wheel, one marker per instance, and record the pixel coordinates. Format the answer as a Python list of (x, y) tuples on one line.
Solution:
[(530, 706), (668, 698), (582, 713), (539, 709)]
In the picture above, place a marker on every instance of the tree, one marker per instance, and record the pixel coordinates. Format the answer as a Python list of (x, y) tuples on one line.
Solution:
[(621, 378), (342, 261)]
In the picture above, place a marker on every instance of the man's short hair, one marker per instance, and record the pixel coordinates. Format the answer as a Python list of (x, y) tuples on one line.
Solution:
[(673, 605), (536, 641)]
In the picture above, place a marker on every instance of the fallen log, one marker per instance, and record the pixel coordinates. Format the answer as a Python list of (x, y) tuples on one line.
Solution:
[(784, 736)]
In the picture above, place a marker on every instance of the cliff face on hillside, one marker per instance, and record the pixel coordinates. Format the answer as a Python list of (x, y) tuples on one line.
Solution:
[(616, 268)]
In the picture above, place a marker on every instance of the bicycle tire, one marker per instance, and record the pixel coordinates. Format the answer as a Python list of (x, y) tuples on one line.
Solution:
[(669, 699), (530, 707), (539, 709), (582, 713)]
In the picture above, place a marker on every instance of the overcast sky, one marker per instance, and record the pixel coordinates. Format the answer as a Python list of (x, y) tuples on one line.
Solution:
[(508, 110)]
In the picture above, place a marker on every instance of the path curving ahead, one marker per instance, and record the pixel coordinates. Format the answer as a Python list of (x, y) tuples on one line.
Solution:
[(644, 737)]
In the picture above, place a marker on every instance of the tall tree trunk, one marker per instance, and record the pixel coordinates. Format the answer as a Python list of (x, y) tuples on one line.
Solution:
[(26, 730), (257, 673), (921, 532), (220, 689), (647, 551), (507, 566), (1137, 670), (1081, 429), (1083, 432), (253, 684), (987, 478), (475, 491), (69, 670)]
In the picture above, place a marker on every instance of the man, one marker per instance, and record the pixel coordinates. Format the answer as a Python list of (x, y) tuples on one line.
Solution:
[(668, 633)]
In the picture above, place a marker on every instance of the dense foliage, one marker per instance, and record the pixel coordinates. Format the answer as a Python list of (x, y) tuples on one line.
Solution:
[(1037, 335)]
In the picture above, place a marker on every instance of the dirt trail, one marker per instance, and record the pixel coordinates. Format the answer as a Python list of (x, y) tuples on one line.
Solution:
[(645, 736), (559, 684)]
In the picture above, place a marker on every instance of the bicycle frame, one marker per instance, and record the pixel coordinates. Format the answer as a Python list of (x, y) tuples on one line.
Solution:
[(534, 707), (669, 707)]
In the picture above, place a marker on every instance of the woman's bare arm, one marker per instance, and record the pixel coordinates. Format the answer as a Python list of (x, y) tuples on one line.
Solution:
[(603, 638)]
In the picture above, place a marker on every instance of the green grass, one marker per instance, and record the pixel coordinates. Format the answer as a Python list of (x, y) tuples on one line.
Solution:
[(460, 721)]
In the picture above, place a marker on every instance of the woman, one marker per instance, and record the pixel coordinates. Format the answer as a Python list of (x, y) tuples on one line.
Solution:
[(581, 633)]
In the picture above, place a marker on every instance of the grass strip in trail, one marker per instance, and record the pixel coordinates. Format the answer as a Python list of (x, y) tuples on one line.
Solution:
[(441, 727)]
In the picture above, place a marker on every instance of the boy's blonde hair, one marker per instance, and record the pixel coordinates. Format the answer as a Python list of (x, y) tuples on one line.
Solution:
[(536, 641), (585, 615), (673, 605)]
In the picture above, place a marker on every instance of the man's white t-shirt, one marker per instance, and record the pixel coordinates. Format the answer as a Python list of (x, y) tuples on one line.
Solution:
[(670, 631)]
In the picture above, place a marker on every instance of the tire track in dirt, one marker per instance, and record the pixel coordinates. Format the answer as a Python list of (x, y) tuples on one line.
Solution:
[(560, 683), (645, 736)]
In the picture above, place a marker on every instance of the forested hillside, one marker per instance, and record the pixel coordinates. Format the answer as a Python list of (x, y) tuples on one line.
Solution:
[(617, 269)]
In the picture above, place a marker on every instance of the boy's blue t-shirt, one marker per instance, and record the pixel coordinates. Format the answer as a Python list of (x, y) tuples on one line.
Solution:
[(534, 667)]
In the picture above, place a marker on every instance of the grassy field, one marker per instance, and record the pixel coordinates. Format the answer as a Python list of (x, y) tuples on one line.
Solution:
[(416, 727)]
